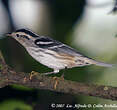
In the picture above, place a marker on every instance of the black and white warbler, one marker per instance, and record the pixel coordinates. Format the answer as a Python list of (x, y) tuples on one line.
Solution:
[(52, 53)]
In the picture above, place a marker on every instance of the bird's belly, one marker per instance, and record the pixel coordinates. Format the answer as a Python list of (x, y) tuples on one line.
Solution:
[(51, 62), (47, 60)]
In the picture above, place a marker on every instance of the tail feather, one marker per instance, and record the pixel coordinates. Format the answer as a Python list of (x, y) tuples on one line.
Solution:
[(103, 64)]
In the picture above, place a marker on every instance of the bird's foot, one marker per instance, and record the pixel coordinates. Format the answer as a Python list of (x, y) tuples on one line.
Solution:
[(33, 73), (56, 82), (57, 79)]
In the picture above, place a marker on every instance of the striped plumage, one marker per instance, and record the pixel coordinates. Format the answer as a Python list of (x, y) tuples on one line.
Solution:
[(52, 53)]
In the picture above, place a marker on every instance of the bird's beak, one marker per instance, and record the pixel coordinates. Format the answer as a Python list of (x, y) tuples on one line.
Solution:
[(9, 34)]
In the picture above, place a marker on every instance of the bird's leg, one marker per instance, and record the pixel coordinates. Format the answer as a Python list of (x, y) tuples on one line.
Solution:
[(53, 72), (61, 78), (33, 73), (55, 78), (48, 73)]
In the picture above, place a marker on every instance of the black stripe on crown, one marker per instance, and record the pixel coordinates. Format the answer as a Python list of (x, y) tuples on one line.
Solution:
[(27, 32)]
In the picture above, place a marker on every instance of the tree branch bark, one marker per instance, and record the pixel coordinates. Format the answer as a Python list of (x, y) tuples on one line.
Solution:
[(8, 76)]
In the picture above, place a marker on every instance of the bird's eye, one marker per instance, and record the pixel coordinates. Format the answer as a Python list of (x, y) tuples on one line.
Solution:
[(17, 35)]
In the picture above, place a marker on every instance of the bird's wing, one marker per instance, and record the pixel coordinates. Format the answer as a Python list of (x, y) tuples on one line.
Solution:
[(51, 44), (66, 52)]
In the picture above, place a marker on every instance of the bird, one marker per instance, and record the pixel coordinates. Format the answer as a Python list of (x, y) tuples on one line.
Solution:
[(52, 53)]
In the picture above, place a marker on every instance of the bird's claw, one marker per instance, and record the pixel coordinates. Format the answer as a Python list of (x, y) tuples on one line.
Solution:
[(57, 80), (33, 73)]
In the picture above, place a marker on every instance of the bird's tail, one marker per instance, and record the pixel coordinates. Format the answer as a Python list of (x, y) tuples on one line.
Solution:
[(103, 64)]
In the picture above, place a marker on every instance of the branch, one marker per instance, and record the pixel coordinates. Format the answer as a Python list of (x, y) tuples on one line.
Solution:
[(8, 76)]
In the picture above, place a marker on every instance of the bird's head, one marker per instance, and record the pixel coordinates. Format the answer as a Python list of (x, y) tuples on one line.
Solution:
[(24, 36)]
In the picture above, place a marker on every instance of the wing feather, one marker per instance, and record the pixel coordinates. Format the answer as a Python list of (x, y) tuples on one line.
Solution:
[(51, 44)]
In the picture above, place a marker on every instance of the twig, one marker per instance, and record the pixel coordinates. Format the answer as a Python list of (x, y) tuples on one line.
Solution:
[(8, 76)]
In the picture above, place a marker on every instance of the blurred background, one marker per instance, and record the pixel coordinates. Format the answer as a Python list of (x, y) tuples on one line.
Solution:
[(86, 25)]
